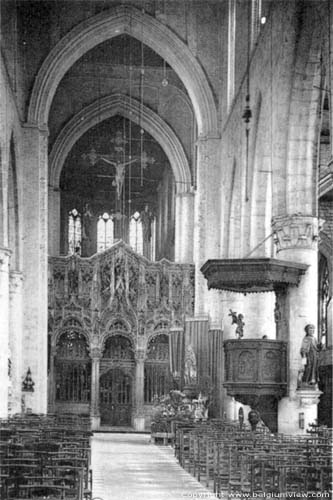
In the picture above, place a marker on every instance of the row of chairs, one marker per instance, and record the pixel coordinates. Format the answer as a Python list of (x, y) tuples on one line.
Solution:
[(45, 456), (237, 461)]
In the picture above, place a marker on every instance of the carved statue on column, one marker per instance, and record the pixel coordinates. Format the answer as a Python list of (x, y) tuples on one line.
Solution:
[(146, 219), (87, 231), (310, 357)]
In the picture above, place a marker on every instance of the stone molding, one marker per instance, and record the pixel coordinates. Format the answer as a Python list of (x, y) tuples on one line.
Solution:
[(295, 231), (130, 108), (308, 397), (111, 23)]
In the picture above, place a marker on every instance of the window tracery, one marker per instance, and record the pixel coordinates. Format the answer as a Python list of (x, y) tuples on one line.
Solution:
[(118, 347)]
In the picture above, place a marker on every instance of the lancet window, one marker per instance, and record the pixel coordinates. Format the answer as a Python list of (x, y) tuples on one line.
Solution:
[(104, 232), (136, 233), (74, 232), (324, 299)]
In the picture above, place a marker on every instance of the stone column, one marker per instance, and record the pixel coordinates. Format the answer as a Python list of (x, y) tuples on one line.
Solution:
[(54, 221), (16, 338), (4, 329), (184, 227), (35, 253), (95, 416), (178, 226), (52, 382), (207, 218), (139, 417), (296, 237)]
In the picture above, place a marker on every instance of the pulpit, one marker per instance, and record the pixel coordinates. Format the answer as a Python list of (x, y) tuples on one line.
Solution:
[(256, 375)]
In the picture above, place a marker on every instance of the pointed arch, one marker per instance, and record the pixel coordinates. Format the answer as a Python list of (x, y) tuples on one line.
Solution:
[(106, 25), (129, 108)]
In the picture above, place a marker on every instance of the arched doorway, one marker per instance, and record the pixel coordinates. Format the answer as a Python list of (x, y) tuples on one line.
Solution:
[(72, 373), (157, 376), (116, 382)]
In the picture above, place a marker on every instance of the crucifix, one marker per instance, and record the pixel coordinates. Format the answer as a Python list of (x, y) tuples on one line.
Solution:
[(117, 160)]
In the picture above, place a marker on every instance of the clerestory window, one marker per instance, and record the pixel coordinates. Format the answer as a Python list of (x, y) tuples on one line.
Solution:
[(105, 228), (74, 232)]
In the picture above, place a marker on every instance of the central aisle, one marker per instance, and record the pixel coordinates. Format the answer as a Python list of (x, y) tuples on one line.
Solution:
[(128, 467)]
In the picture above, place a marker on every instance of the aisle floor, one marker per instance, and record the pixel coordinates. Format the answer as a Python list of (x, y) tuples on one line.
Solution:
[(129, 467)]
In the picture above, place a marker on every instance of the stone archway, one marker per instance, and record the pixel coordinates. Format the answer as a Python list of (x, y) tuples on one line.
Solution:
[(129, 108), (106, 25), (153, 124)]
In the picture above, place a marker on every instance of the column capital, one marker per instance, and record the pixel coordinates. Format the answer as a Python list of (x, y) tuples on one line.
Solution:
[(296, 231), (5, 254), (95, 353), (42, 128), (207, 146), (140, 355), (15, 281), (186, 194)]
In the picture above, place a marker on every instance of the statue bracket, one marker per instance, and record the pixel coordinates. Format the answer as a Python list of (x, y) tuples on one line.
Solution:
[(308, 396)]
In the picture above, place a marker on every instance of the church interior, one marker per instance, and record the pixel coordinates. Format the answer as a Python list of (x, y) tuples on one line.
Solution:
[(166, 174)]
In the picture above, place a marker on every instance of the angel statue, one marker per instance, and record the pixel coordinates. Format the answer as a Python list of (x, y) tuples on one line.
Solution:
[(237, 320)]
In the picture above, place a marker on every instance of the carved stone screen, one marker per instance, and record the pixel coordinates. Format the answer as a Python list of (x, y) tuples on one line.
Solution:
[(157, 377)]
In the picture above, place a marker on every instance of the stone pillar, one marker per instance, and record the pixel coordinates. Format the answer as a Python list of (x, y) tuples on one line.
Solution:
[(184, 227), (35, 253), (16, 338), (54, 222), (52, 382), (207, 217), (4, 329), (139, 417), (178, 226), (296, 237), (95, 416)]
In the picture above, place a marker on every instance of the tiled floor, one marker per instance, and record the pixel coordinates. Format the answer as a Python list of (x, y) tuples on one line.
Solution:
[(129, 467)]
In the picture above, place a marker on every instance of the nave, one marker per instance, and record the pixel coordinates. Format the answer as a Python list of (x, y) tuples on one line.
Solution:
[(130, 467)]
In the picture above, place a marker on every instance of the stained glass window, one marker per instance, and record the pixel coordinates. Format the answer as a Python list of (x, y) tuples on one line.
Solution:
[(74, 232), (104, 232), (136, 233)]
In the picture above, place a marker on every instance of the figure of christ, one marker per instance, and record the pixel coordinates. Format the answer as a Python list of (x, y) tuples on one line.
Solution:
[(120, 172)]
